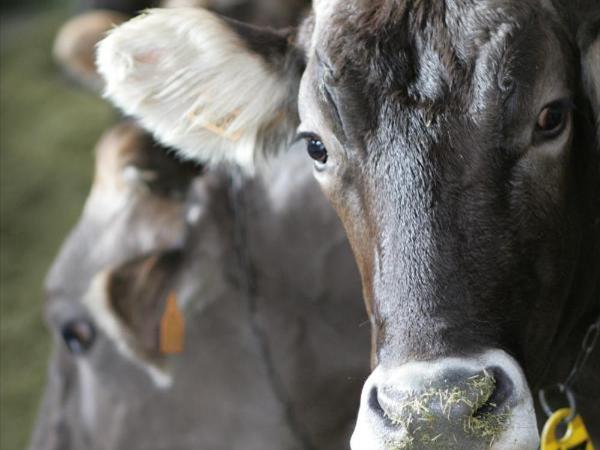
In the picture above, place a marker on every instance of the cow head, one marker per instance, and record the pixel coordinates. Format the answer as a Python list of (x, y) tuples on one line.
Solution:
[(457, 142), (264, 364), (125, 248)]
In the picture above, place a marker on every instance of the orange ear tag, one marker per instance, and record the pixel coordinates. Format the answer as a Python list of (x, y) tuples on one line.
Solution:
[(172, 328)]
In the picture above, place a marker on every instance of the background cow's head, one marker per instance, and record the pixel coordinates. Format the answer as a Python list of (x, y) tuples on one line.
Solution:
[(258, 369), (458, 142), (125, 248)]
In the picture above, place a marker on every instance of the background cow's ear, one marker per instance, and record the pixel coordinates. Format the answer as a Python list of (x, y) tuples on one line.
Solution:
[(128, 303), (212, 88)]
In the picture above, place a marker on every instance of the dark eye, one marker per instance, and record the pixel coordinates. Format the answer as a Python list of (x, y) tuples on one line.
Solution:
[(79, 335), (552, 119), (315, 147)]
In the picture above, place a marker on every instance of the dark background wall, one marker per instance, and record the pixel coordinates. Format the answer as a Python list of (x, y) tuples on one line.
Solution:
[(48, 129), (12, 5)]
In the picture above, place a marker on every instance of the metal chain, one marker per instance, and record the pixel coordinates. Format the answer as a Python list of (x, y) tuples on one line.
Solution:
[(588, 344)]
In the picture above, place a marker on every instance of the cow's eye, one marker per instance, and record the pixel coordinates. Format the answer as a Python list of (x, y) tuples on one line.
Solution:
[(315, 147), (552, 119), (79, 335)]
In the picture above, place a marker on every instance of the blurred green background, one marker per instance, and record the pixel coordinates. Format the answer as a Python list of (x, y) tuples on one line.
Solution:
[(48, 129)]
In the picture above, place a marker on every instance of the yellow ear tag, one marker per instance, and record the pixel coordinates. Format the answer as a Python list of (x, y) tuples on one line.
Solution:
[(172, 328), (575, 435)]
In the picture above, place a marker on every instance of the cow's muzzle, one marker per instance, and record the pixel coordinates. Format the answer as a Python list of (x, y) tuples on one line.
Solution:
[(481, 402)]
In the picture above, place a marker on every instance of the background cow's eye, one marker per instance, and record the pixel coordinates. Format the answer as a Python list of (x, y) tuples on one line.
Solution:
[(79, 335), (552, 119), (315, 147)]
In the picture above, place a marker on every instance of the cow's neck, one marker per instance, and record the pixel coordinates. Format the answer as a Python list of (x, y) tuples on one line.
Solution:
[(242, 193)]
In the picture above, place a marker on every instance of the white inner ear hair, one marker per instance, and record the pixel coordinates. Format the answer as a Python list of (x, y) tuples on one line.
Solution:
[(191, 80)]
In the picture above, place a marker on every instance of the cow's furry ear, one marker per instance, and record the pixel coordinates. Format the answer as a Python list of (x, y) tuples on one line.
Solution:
[(588, 37), (589, 44), (127, 304), (211, 88)]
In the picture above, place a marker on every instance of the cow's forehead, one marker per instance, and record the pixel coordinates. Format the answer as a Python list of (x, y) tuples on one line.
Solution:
[(423, 46), (454, 57)]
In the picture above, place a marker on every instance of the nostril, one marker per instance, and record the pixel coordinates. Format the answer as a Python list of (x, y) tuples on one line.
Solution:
[(499, 397), (374, 404)]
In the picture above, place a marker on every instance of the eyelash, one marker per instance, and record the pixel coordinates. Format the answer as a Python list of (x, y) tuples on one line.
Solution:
[(304, 136)]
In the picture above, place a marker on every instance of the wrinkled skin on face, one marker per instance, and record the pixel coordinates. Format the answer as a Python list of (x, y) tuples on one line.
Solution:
[(458, 142), (261, 368)]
